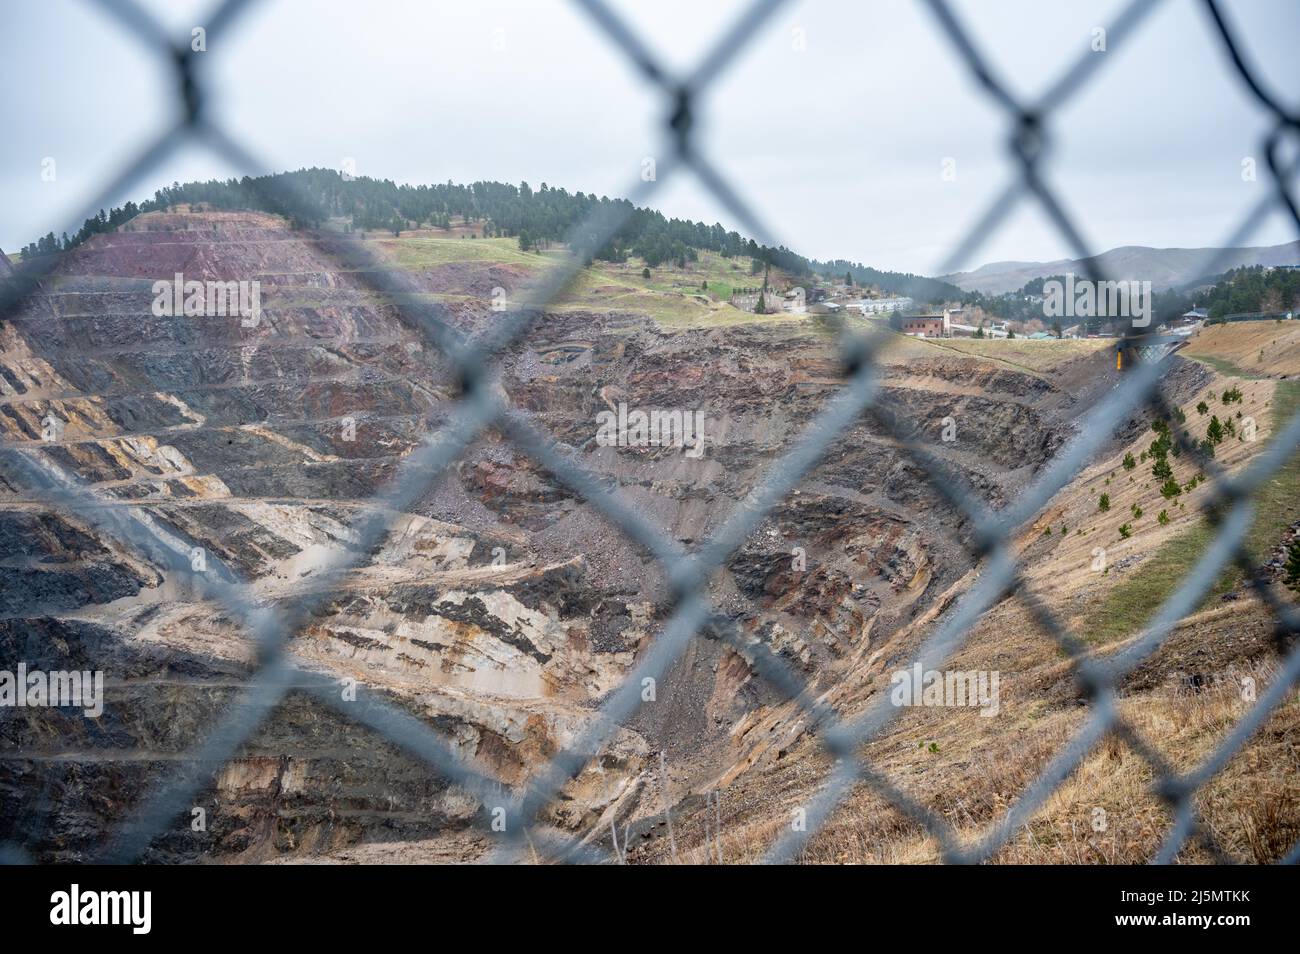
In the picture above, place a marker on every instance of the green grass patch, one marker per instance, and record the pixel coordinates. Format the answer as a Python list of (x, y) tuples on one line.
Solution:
[(1223, 366), (671, 296), (425, 252), (1130, 605)]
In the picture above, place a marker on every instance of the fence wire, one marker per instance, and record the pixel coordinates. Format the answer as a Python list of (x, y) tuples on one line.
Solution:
[(478, 408)]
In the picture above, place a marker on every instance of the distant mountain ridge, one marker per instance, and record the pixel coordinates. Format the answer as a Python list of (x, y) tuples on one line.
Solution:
[(1163, 267)]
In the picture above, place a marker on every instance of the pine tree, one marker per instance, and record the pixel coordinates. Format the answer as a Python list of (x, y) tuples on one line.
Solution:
[(1214, 433)]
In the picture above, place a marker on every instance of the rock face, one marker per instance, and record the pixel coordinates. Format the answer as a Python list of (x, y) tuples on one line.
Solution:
[(501, 611)]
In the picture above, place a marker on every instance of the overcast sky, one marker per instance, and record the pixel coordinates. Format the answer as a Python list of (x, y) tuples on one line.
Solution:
[(833, 123)]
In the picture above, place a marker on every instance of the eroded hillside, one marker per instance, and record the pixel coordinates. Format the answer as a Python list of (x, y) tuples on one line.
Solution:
[(503, 609)]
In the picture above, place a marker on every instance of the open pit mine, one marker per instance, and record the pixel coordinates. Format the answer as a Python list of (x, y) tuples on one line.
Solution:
[(502, 609)]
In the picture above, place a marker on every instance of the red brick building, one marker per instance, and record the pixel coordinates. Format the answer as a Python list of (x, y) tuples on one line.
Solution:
[(928, 326)]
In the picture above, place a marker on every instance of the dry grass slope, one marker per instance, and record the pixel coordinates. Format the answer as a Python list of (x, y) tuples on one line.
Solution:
[(1183, 701)]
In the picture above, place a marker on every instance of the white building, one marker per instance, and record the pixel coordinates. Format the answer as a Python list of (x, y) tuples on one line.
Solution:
[(882, 306)]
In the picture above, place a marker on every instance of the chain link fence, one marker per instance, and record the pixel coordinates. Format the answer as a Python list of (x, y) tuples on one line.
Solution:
[(479, 407)]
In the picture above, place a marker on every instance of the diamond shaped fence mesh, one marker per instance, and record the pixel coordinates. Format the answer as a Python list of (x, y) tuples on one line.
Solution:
[(479, 407)]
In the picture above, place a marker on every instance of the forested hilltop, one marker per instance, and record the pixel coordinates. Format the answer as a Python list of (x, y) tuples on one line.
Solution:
[(1254, 288), (538, 218)]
